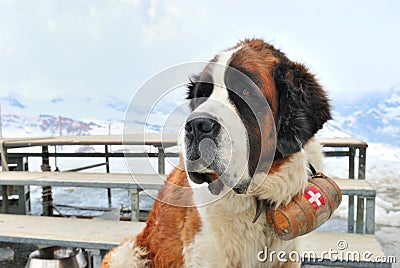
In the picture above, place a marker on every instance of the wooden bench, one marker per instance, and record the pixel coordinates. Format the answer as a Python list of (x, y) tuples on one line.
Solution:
[(365, 194), (136, 182), (133, 183), (343, 249), (97, 236)]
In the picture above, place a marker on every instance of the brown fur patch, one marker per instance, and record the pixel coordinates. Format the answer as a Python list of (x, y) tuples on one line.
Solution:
[(257, 57), (169, 228)]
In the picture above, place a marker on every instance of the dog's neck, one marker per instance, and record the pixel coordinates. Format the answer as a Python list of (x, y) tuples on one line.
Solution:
[(284, 180), (279, 186)]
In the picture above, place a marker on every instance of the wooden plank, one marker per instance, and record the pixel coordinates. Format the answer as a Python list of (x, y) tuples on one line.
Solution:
[(342, 142), (95, 180), (347, 245), (98, 234), (169, 139), (128, 181), (66, 232), (355, 187), (156, 139)]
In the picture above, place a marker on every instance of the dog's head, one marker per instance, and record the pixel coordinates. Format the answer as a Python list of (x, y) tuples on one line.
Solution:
[(250, 106)]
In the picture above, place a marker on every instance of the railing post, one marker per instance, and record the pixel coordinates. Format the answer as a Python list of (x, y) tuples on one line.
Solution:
[(134, 194), (4, 165), (350, 216), (47, 198), (360, 199), (361, 164), (109, 196), (370, 216), (161, 160)]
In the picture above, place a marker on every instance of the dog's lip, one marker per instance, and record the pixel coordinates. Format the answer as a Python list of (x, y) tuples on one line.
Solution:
[(215, 184), (211, 175), (206, 176), (216, 187)]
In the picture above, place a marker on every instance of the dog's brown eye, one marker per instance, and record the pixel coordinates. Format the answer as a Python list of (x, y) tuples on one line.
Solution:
[(246, 93)]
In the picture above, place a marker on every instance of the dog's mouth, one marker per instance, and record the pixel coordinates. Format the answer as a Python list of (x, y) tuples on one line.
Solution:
[(215, 184)]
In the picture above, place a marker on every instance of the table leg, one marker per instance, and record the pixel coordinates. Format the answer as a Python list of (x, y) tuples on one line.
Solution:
[(370, 215), (351, 162), (361, 200), (350, 215), (134, 194), (361, 163), (360, 215), (47, 198), (94, 258), (4, 204), (161, 160), (4, 166), (109, 196)]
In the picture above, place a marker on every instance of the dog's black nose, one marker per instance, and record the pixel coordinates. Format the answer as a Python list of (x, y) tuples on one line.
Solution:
[(201, 127)]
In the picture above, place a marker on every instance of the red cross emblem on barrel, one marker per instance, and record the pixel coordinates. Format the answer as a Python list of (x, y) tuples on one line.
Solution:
[(307, 210), (314, 197)]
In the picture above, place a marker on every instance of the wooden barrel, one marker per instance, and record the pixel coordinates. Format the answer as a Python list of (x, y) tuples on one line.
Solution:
[(307, 211)]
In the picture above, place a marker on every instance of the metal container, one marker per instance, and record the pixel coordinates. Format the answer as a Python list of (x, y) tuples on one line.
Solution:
[(56, 257)]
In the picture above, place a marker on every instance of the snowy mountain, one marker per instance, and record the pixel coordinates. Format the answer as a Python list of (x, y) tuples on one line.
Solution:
[(373, 118), (44, 125), (66, 115), (77, 115)]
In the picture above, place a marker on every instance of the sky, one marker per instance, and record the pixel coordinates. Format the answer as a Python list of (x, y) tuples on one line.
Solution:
[(111, 47)]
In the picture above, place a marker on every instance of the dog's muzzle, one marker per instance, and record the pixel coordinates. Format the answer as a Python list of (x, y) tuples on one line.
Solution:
[(199, 128), (202, 132)]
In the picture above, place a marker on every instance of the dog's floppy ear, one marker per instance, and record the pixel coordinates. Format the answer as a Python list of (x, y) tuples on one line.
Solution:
[(191, 90), (303, 106)]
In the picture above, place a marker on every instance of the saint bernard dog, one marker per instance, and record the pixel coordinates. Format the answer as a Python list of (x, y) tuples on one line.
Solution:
[(253, 111)]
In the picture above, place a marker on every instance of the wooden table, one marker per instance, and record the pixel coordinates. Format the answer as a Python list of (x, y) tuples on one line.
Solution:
[(159, 140), (349, 147), (341, 147), (93, 234)]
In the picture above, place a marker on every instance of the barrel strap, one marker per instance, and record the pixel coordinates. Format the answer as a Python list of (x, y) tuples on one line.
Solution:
[(265, 205), (313, 171)]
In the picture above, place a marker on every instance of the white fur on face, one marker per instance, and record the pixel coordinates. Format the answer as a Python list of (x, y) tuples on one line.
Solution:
[(232, 142)]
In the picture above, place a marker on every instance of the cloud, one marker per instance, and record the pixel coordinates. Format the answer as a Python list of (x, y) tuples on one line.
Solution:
[(152, 11), (113, 46)]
